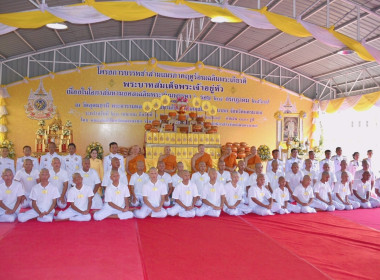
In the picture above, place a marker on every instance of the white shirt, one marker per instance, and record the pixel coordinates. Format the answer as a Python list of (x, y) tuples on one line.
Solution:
[(312, 174), (153, 192), (137, 181), (261, 194), (107, 162), (332, 178), (9, 195), (176, 180), (281, 165), (281, 196), (200, 180), (44, 196), (377, 184), (253, 177), (329, 162), (73, 163), (353, 166), (28, 181), (323, 189), (233, 194), (342, 189), (116, 195), (185, 193), (337, 160), (213, 193), (80, 197), (45, 161), (293, 179), (7, 163), (57, 179), (359, 175), (362, 188), (243, 179), (303, 194), (90, 178), (338, 176), (224, 177), (314, 165), (20, 163), (166, 179), (289, 162), (107, 178), (273, 178)]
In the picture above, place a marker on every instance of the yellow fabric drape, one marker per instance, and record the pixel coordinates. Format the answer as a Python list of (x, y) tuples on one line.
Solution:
[(213, 11), (367, 101), (3, 120), (29, 19), (2, 102), (315, 115), (286, 24), (313, 127), (123, 11), (353, 45), (334, 105)]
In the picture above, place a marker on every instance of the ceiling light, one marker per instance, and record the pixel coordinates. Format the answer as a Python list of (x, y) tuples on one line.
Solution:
[(345, 51), (218, 19), (57, 25)]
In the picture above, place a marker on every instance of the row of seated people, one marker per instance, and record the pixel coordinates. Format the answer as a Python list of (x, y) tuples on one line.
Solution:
[(234, 192)]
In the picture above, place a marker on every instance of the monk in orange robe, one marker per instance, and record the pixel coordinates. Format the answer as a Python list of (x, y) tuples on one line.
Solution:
[(131, 161), (229, 159), (169, 160), (201, 156), (251, 160)]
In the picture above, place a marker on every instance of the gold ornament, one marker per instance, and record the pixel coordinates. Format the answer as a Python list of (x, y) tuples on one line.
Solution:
[(197, 102), (156, 104), (165, 100), (147, 106), (213, 111), (206, 106)]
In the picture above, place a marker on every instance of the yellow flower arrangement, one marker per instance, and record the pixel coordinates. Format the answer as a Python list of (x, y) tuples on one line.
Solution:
[(264, 152)]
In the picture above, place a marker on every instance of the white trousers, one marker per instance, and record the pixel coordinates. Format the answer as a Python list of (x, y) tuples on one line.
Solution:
[(206, 210), (8, 218), (97, 202), (307, 209), (107, 211), (241, 209), (341, 206), (277, 208), (139, 201), (168, 202), (180, 211), (73, 215), (60, 204), (372, 203), (199, 202), (261, 211), (321, 205), (31, 214), (27, 203), (145, 211)]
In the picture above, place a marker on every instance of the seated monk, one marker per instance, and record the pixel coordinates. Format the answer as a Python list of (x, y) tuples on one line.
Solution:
[(169, 160), (132, 159), (251, 160), (201, 156), (230, 159)]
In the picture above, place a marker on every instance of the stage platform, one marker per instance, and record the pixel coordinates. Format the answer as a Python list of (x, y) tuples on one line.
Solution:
[(338, 245)]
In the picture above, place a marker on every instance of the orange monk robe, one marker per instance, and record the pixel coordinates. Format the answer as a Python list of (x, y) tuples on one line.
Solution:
[(132, 165), (252, 161), (205, 158), (170, 163), (230, 161)]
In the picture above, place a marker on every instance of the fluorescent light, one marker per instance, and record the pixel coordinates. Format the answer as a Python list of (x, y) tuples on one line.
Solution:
[(345, 51), (218, 19), (57, 25)]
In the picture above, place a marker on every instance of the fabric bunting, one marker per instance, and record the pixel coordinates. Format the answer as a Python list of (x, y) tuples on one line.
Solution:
[(99, 11), (357, 102)]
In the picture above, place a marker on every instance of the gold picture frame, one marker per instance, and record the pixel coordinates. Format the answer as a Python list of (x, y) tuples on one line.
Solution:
[(290, 127)]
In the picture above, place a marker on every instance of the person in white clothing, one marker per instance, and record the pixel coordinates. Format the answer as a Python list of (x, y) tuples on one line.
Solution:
[(343, 168), (200, 178), (308, 170), (154, 193), (362, 192), (276, 158), (224, 176), (46, 160), (166, 179), (332, 179), (115, 166), (327, 160), (138, 180), (253, 177), (72, 162), (322, 191), (213, 196), (303, 195), (116, 200), (354, 164), (107, 164), (44, 199), (233, 204), (60, 179), (176, 178), (281, 199), (365, 167), (11, 193), (293, 177), (273, 176), (314, 162), (293, 158), (342, 192), (5, 161), (27, 150), (370, 162), (91, 178), (260, 199), (337, 159), (243, 179), (185, 195), (80, 198), (28, 177), (377, 187)]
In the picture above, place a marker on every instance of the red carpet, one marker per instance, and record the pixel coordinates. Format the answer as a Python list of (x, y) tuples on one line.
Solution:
[(369, 218)]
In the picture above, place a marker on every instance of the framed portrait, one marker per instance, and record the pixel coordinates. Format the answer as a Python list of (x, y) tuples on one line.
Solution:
[(290, 127)]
